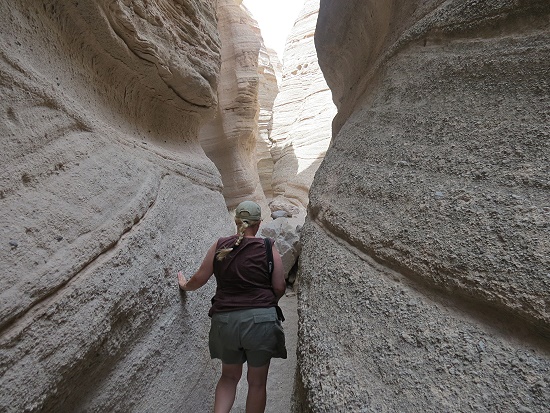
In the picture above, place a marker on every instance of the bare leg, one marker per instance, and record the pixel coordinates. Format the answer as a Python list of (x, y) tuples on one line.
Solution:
[(227, 387), (257, 380)]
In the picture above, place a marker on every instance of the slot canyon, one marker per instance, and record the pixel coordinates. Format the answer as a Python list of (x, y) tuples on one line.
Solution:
[(399, 149)]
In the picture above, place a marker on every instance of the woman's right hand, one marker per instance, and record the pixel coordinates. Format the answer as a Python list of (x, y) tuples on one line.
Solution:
[(182, 281)]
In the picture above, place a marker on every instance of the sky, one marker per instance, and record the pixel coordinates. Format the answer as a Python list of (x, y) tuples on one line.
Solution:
[(275, 18)]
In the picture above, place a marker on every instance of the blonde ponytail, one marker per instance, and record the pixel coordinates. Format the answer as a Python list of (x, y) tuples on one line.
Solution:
[(241, 226)]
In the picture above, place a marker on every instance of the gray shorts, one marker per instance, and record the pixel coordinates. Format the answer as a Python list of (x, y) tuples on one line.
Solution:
[(254, 335)]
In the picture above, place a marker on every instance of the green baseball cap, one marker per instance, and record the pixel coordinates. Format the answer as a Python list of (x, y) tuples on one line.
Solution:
[(248, 211)]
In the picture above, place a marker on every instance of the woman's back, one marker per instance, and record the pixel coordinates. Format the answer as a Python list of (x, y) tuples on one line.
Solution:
[(242, 277)]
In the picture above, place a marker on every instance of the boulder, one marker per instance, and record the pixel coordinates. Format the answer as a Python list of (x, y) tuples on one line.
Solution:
[(278, 214), (281, 203), (287, 241)]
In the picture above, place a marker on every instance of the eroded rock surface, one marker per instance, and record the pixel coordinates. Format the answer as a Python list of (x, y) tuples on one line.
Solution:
[(424, 272), (286, 233), (230, 139), (102, 173), (302, 114), (270, 69)]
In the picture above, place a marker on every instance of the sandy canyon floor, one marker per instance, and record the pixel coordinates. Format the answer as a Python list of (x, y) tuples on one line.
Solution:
[(281, 373)]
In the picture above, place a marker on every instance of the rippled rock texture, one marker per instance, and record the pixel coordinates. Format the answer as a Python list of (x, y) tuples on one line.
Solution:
[(270, 71), (425, 267), (106, 193), (302, 114), (246, 89)]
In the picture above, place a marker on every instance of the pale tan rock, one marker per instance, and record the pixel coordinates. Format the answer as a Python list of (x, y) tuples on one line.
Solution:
[(230, 139), (104, 190), (287, 242), (270, 70), (302, 114), (424, 268)]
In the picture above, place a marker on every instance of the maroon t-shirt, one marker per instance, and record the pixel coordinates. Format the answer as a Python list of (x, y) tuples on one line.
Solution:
[(242, 277)]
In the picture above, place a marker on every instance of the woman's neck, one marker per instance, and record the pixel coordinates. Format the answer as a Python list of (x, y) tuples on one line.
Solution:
[(250, 232)]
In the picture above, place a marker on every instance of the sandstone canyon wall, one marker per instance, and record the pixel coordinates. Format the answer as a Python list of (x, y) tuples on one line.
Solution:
[(302, 114), (270, 71), (426, 260), (231, 138), (104, 186), (271, 129)]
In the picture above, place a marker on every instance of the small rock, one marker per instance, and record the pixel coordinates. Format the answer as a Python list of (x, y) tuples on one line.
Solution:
[(280, 214), (59, 238), (13, 244), (407, 338)]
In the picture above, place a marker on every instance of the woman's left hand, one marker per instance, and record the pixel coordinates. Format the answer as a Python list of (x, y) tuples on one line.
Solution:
[(182, 281)]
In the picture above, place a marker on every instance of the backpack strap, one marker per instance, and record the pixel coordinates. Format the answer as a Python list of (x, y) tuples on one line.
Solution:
[(269, 254)]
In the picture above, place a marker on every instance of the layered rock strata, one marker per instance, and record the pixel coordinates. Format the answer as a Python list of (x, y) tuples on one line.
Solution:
[(424, 272), (302, 114), (270, 71), (102, 174), (230, 139)]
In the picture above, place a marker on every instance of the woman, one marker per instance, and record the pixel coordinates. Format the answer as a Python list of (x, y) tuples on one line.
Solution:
[(244, 327)]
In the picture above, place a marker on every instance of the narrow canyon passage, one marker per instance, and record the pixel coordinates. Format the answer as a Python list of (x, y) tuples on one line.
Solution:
[(399, 149), (280, 385)]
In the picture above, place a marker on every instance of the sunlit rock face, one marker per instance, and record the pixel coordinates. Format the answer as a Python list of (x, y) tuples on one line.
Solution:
[(270, 71), (302, 114), (104, 192), (424, 272), (230, 139)]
